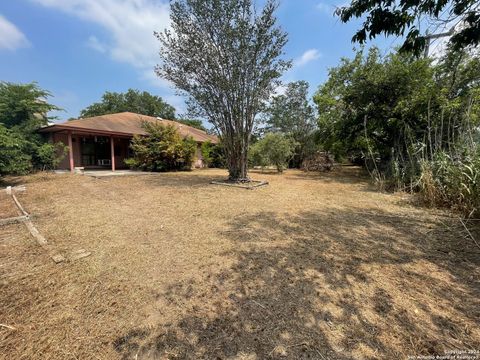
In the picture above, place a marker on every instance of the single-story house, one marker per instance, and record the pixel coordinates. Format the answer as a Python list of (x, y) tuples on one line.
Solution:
[(104, 141)]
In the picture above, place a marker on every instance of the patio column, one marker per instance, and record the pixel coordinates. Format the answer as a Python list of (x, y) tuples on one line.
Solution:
[(70, 152), (112, 147)]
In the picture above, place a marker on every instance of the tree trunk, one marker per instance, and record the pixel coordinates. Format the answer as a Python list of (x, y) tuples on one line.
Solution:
[(237, 160)]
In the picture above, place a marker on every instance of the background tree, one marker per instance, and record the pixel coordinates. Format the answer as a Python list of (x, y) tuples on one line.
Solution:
[(133, 101), (292, 114), (275, 149), (404, 17), (225, 56)]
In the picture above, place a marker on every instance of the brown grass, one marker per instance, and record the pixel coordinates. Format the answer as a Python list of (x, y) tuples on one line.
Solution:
[(312, 266)]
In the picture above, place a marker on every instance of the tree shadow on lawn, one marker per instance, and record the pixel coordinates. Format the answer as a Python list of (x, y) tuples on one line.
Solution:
[(324, 286)]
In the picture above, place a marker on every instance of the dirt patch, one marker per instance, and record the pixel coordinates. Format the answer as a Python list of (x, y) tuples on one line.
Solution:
[(312, 266)]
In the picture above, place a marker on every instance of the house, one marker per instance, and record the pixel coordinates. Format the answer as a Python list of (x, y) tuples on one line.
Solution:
[(104, 141)]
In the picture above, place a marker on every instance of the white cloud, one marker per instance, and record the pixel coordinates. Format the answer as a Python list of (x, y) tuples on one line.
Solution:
[(129, 23), (325, 8), (95, 44), (308, 56), (11, 38), (129, 27)]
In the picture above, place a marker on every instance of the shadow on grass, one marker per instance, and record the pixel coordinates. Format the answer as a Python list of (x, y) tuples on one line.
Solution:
[(324, 286)]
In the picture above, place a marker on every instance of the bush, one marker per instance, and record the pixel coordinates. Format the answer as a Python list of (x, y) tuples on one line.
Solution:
[(217, 155), (163, 149), (274, 149), (207, 149), (48, 156), (13, 158)]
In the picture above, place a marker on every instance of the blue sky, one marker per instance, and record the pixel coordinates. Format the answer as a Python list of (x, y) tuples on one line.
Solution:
[(78, 49)]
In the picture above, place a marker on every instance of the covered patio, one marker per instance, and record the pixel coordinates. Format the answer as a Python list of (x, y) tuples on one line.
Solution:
[(93, 150)]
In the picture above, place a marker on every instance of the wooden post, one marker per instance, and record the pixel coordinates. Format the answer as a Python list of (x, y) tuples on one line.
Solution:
[(112, 146), (70, 152)]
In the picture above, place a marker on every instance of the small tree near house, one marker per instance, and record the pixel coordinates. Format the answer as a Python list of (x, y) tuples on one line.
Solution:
[(225, 56), (163, 149)]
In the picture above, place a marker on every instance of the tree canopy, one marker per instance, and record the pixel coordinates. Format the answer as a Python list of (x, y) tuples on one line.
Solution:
[(24, 106), (23, 110), (133, 101), (226, 57), (405, 18)]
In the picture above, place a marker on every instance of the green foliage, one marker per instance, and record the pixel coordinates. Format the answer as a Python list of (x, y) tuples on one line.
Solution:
[(23, 110), (217, 155), (291, 114), (225, 55), (411, 122), (48, 156), (13, 157), (24, 106), (163, 149), (207, 152), (274, 149), (453, 181), (396, 17), (134, 101), (374, 97)]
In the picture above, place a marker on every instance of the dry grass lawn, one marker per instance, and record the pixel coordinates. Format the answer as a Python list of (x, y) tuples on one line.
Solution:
[(313, 266)]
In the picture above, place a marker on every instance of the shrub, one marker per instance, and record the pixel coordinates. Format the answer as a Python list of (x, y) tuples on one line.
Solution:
[(274, 149), (217, 155), (13, 157), (207, 149), (48, 156), (163, 149)]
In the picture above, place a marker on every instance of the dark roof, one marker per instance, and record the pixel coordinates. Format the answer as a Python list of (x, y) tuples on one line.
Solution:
[(127, 123)]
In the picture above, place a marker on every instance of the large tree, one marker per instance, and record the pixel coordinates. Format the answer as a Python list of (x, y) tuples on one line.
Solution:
[(24, 109), (389, 106), (225, 56), (24, 106), (292, 114), (374, 96), (407, 17), (133, 101)]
